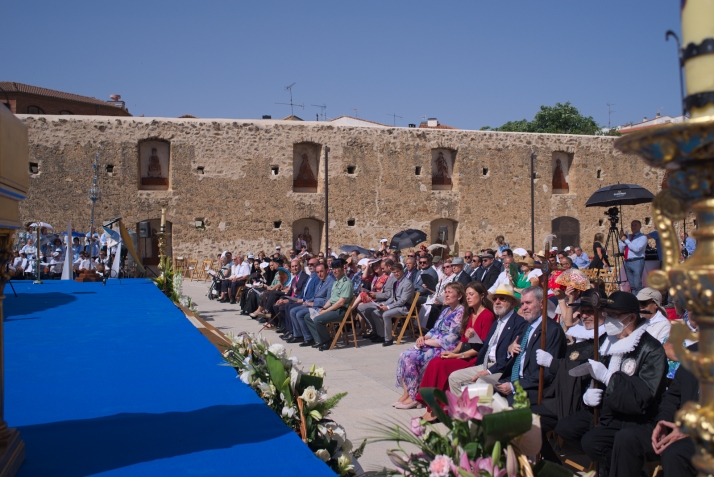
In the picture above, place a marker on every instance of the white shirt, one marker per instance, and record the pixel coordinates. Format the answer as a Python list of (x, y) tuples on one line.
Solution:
[(534, 326), (659, 327), (636, 244), (501, 280), (493, 344)]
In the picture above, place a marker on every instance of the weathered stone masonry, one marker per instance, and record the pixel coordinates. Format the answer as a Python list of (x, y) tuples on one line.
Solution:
[(246, 185)]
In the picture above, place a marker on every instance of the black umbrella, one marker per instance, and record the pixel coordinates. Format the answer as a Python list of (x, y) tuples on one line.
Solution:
[(620, 194), (407, 239), (352, 248)]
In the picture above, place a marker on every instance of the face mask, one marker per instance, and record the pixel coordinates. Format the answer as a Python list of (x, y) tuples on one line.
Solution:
[(613, 326)]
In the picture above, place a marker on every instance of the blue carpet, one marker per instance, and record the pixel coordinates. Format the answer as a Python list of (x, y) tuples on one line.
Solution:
[(114, 380)]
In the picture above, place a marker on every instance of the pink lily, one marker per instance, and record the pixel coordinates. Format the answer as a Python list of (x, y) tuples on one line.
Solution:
[(482, 464), (465, 407)]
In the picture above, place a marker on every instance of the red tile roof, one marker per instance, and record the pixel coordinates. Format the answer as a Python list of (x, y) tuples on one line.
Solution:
[(13, 87)]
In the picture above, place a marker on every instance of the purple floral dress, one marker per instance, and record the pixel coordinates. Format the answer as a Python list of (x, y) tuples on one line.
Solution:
[(412, 362)]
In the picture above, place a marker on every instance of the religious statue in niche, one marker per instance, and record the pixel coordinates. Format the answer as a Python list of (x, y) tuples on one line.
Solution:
[(559, 182), (308, 239), (154, 176), (305, 176), (441, 177)]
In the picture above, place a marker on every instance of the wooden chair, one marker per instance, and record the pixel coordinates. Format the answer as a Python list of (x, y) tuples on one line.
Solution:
[(408, 318), (179, 265), (191, 268), (348, 318), (205, 265)]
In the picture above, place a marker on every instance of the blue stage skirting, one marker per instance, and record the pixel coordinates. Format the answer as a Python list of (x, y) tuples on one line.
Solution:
[(114, 380)]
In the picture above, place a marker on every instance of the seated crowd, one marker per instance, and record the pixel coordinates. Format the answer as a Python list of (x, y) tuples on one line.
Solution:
[(89, 252), (482, 315)]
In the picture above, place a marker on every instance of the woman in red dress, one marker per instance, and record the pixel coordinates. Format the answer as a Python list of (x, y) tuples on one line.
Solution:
[(477, 321)]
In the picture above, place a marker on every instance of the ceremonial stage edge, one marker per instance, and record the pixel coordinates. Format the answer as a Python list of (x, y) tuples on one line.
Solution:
[(114, 380)]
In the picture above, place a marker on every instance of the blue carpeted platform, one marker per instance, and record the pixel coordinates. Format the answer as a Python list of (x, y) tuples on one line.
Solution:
[(114, 380)]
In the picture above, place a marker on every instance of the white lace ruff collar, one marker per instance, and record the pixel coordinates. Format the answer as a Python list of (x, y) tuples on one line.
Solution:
[(580, 333), (614, 346)]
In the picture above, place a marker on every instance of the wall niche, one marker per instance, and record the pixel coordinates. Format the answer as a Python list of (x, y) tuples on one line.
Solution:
[(442, 168), (560, 171), (154, 165), (306, 164)]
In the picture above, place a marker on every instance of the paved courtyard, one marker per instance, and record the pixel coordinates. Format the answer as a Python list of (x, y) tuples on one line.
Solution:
[(367, 374)]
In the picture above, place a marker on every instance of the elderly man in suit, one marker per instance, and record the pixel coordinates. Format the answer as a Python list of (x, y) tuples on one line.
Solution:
[(493, 357), (457, 266), (381, 296), (283, 306), (397, 305), (523, 365), (488, 272)]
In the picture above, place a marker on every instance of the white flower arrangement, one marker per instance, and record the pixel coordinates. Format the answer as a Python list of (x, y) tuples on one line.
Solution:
[(298, 397)]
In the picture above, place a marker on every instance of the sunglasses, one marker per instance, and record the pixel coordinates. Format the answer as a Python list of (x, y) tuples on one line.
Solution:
[(312, 264), (499, 298), (447, 266), (468, 256), (424, 263), (411, 256)]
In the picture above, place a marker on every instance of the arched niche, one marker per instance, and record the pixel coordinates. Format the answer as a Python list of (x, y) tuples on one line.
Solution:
[(561, 172), (311, 230), (443, 231), (442, 168), (306, 165), (154, 164), (567, 232)]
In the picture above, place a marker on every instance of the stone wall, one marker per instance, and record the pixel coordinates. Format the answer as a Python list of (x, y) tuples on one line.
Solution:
[(245, 186)]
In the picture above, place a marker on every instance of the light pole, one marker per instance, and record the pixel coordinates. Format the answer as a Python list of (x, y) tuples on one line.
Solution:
[(533, 158), (94, 195), (327, 213)]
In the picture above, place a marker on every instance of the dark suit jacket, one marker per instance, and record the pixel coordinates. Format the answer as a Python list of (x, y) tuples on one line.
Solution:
[(464, 278), (490, 277), (555, 344), (684, 387), (515, 324), (300, 285)]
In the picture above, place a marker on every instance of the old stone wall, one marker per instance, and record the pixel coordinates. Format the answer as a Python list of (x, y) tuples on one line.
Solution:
[(237, 177)]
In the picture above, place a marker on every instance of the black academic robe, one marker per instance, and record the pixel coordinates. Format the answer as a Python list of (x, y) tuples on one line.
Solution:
[(634, 392), (565, 394), (684, 387)]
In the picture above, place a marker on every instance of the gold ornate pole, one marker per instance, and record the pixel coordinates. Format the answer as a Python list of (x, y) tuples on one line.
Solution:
[(14, 182), (687, 151)]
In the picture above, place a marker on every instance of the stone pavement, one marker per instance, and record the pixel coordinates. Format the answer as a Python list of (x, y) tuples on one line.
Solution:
[(367, 374)]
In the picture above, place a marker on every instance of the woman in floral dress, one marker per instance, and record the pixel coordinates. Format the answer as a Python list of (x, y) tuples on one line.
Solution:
[(444, 336)]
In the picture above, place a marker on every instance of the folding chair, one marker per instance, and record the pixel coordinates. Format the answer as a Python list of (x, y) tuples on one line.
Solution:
[(346, 319), (412, 315), (202, 275), (191, 268), (180, 265)]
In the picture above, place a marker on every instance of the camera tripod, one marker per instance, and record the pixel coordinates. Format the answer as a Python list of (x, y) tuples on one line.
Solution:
[(613, 237)]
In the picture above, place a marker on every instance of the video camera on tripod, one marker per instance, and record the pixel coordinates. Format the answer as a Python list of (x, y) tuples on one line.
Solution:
[(613, 215)]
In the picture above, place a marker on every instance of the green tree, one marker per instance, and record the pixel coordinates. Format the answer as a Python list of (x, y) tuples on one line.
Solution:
[(558, 119)]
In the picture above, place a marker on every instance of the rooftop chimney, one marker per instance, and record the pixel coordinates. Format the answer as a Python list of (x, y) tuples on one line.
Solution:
[(432, 122), (267, 116), (115, 97), (644, 119)]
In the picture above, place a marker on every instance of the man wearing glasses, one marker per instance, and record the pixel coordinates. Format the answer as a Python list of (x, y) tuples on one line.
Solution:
[(468, 258), (488, 272), (304, 300), (425, 268)]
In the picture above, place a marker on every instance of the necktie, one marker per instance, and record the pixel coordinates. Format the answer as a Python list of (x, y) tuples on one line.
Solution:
[(396, 284), (517, 365), (294, 285), (627, 248)]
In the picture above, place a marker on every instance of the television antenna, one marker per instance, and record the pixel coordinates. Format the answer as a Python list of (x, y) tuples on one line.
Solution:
[(394, 118), (322, 107), (355, 110), (609, 112), (291, 104)]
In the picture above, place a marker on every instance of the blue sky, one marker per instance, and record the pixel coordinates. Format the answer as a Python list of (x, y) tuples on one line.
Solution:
[(467, 63)]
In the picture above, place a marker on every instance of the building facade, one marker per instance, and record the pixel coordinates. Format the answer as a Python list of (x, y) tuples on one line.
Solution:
[(250, 185), (27, 99)]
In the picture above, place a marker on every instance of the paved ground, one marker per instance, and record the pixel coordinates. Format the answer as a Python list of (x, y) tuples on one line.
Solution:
[(367, 374)]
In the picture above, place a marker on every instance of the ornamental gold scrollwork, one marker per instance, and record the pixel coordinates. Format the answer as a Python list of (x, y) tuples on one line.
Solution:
[(696, 420), (666, 209)]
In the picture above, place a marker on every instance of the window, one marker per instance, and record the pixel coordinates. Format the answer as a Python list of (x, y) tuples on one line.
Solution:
[(277, 224), (599, 173), (600, 222), (351, 222), (110, 168), (351, 169), (274, 170), (34, 110), (417, 171), (648, 220), (34, 168), (200, 170), (64, 111), (485, 171)]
